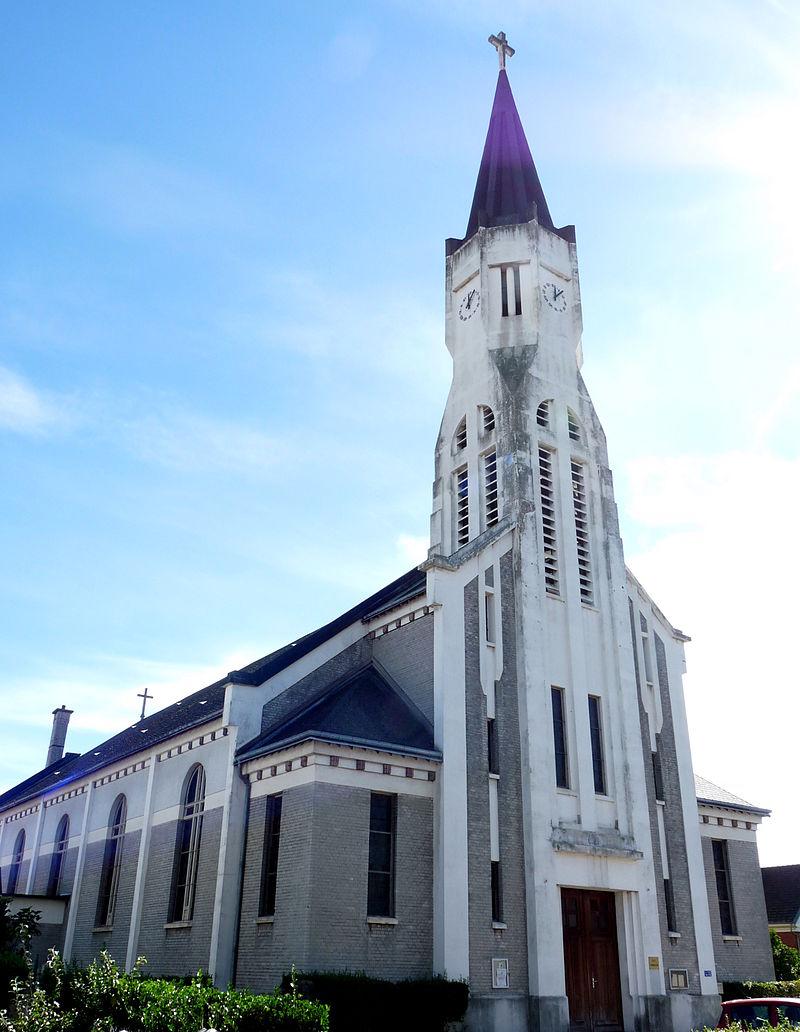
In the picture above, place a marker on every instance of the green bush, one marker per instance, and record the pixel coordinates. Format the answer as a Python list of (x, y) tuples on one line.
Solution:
[(361, 1004), (101, 998), (752, 990), (16, 932), (786, 958)]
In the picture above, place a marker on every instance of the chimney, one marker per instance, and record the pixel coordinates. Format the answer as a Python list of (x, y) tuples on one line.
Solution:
[(58, 737)]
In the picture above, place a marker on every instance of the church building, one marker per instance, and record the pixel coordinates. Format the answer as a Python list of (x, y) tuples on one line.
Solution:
[(482, 770)]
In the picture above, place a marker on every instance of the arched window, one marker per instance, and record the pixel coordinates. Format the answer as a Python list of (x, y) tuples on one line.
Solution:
[(112, 863), (460, 438), (57, 861), (187, 846), (573, 426), (487, 419), (543, 415), (16, 863)]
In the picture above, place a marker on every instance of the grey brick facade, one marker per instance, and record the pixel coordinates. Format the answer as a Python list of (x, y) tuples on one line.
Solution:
[(87, 943), (486, 942), (320, 919), (179, 951), (750, 956), (407, 655)]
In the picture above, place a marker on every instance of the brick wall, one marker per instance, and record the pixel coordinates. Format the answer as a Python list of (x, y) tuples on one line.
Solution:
[(42, 876), (179, 951), (87, 943), (484, 941), (750, 958), (267, 951), (320, 917), (407, 654)]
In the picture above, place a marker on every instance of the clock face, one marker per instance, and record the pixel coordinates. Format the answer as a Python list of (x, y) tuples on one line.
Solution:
[(470, 303), (555, 296)]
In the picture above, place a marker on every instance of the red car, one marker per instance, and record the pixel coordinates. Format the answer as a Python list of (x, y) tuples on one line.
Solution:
[(760, 1013)]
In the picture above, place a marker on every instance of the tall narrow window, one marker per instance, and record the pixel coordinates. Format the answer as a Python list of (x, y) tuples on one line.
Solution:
[(491, 746), (272, 841), (57, 860), (112, 864), (596, 735), (648, 662), (510, 272), (460, 439), (560, 737), (382, 831), (669, 901), (580, 509), (187, 846), (658, 775), (549, 538), (490, 499), (722, 875), (16, 863), (573, 426), (462, 505), (487, 416), (543, 415), (490, 617), (497, 892)]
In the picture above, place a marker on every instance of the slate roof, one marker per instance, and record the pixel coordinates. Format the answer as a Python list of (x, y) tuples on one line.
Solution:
[(207, 704), (782, 893), (708, 792), (508, 185), (364, 709)]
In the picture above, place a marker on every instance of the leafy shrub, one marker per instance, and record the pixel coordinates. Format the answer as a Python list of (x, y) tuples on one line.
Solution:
[(786, 958), (101, 998), (16, 932), (362, 1004), (752, 990)]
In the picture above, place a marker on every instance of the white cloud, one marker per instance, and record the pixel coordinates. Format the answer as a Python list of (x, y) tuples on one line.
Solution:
[(414, 549), (23, 408), (724, 568)]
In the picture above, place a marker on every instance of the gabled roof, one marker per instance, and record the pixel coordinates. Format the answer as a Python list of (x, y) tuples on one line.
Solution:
[(713, 795), (207, 704), (363, 709), (782, 893), (508, 189)]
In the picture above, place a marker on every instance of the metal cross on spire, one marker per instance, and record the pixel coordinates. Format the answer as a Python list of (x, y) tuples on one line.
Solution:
[(500, 43), (144, 697)]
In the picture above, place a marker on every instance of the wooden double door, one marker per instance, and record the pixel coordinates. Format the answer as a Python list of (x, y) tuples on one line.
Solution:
[(591, 960)]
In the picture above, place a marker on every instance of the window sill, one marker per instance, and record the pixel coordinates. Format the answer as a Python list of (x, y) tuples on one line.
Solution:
[(494, 776), (674, 935), (661, 802), (178, 924), (266, 919), (102, 928), (499, 926), (490, 644), (732, 938), (381, 920), (566, 792)]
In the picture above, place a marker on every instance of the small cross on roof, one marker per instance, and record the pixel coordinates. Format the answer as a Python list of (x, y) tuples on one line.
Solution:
[(500, 43)]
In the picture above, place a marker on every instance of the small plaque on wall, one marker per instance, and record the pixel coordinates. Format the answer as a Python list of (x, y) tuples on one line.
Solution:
[(653, 963), (500, 973)]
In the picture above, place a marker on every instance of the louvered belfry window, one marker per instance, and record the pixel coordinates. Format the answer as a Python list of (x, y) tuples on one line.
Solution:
[(187, 847), (488, 419), (573, 426), (579, 505), (490, 497), (549, 536), (462, 506), (461, 435), (543, 415)]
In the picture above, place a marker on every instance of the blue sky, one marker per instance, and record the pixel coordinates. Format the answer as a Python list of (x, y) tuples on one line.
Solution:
[(222, 365)]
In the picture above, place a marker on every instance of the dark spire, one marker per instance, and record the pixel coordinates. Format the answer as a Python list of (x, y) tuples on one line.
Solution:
[(508, 188)]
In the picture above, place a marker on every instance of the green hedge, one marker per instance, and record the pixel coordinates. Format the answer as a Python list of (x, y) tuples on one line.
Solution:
[(752, 990), (361, 1004), (101, 998)]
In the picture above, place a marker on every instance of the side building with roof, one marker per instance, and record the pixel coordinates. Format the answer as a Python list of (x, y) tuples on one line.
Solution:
[(482, 770)]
